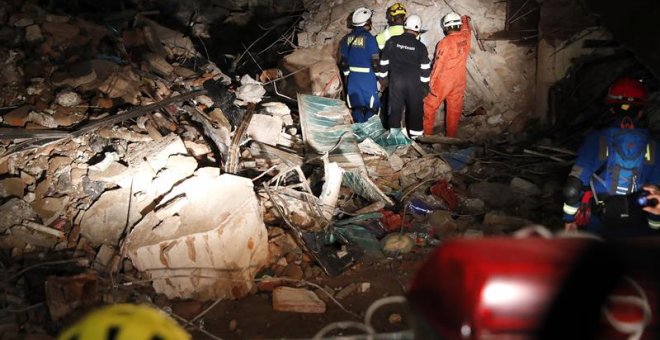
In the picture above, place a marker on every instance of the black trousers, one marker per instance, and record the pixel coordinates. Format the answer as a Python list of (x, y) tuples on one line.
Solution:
[(406, 94)]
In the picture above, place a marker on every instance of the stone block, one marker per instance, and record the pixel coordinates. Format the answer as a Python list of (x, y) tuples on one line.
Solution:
[(299, 300)]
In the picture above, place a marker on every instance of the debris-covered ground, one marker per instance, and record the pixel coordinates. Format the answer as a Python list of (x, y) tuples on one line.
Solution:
[(132, 169)]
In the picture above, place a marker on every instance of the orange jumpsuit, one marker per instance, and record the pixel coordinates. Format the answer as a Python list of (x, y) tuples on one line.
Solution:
[(448, 79)]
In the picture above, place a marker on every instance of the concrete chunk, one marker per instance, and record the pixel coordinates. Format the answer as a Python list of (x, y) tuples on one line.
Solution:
[(12, 186), (33, 33), (105, 220), (115, 173), (287, 299), (212, 248), (265, 129), (13, 212)]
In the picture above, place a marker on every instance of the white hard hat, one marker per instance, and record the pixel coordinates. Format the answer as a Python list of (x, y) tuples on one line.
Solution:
[(451, 20), (414, 23), (361, 16)]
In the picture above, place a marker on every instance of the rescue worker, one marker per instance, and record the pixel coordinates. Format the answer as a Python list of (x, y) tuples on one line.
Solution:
[(448, 74), (126, 322), (612, 165), (405, 61), (396, 16), (358, 61)]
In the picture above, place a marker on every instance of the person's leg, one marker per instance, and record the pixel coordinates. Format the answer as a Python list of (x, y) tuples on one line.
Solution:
[(357, 98), (415, 110), (431, 104), (384, 105), (454, 111), (396, 105)]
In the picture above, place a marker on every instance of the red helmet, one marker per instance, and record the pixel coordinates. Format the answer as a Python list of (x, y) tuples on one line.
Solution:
[(627, 90)]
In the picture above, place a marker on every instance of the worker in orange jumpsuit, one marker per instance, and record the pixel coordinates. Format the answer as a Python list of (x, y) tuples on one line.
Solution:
[(448, 74)]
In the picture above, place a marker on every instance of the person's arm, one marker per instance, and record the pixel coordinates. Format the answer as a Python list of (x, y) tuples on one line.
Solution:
[(385, 61), (465, 24), (424, 67), (437, 65), (586, 163), (381, 40), (654, 189), (343, 54)]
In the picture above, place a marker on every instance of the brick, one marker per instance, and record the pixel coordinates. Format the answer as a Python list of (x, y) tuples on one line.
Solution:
[(299, 300)]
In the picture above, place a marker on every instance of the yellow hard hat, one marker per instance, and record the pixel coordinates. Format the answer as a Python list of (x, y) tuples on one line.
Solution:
[(396, 9), (125, 322)]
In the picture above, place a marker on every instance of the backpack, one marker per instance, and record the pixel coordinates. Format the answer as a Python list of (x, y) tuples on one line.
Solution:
[(625, 151)]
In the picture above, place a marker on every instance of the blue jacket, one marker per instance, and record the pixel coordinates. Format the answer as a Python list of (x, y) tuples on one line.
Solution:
[(616, 161), (358, 49)]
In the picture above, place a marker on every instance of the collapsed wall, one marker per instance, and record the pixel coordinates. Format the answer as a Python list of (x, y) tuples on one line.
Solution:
[(501, 76)]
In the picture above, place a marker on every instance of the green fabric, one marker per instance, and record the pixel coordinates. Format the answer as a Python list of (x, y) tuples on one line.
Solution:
[(373, 128), (363, 238)]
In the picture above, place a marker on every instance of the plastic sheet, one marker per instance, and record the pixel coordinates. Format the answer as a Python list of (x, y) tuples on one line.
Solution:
[(459, 159), (373, 128), (326, 127)]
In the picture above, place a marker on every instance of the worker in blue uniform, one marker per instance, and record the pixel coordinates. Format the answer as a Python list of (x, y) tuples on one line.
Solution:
[(358, 52), (612, 166)]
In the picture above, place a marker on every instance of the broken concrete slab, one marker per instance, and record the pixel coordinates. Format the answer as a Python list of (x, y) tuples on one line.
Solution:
[(13, 212), (105, 220), (212, 248), (157, 153), (178, 167), (265, 129), (299, 300), (172, 207), (197, 149), (115, 173)]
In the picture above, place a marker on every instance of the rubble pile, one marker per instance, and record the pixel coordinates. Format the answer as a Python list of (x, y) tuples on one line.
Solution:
[(128, 154)]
